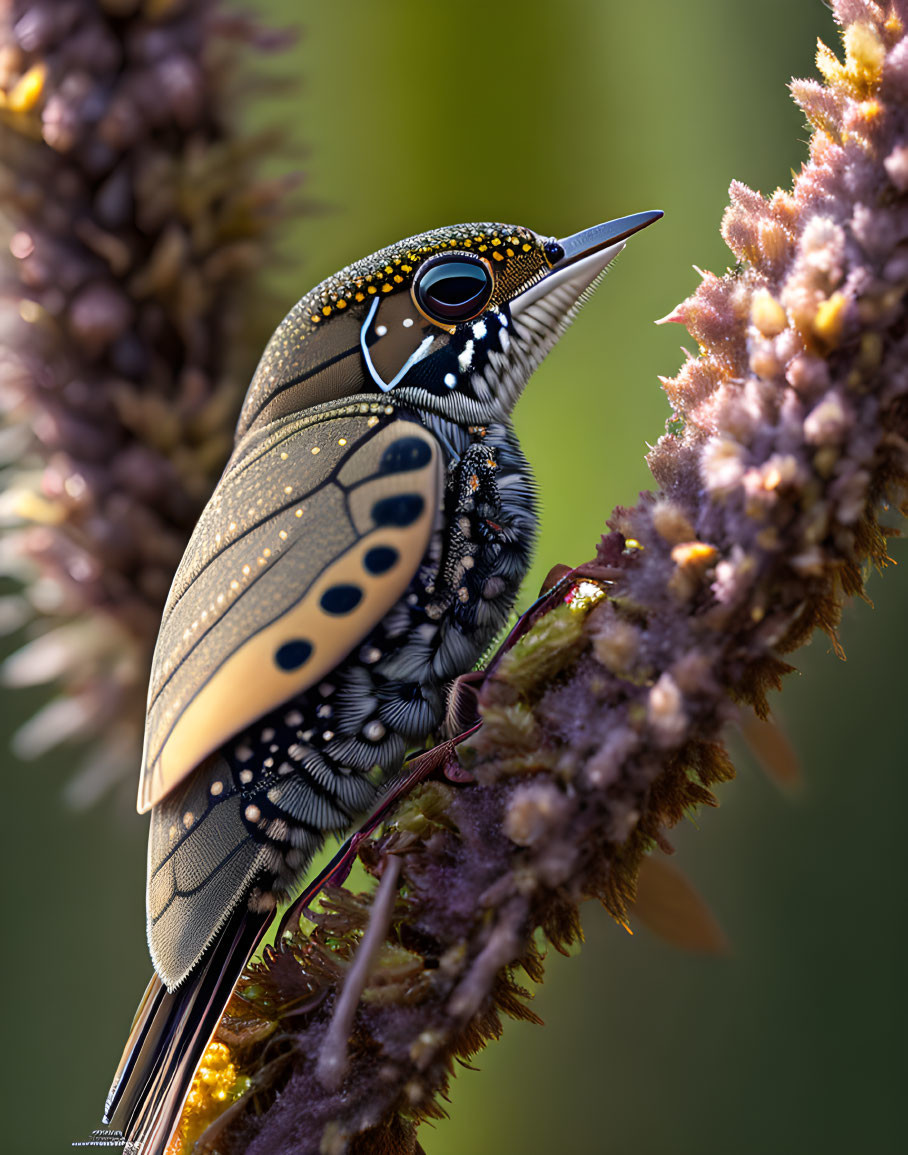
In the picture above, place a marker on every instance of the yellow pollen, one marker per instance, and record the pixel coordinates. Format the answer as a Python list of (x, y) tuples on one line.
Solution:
[(693, 553)]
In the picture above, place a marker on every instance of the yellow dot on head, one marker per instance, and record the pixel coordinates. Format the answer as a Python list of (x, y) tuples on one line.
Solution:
[(398, 279), (360, 297), (496, 240), (342, 304), (407, 268), (388, 269), (387, 288), (326, 309), (315, 317), (483, 248), (371, 289), (315, 449), (468, 244), (498, 256), (510, 252), (526, 248), (342, 441)]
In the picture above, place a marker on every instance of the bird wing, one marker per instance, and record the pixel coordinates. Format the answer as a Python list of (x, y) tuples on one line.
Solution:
[(314, 532)]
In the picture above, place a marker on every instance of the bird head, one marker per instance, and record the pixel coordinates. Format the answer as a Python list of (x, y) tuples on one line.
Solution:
[(452, 321)]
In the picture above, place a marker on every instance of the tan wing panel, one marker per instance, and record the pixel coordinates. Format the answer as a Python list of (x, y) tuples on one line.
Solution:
[(306, 544)]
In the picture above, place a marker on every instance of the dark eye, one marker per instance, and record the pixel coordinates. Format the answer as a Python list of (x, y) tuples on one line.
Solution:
[(453, 288)]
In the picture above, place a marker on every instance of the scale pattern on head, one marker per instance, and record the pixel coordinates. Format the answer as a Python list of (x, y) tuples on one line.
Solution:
[(366, 329)]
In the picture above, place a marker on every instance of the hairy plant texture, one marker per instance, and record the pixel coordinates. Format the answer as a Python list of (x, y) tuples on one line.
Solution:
[(603, 725), (134, 225)]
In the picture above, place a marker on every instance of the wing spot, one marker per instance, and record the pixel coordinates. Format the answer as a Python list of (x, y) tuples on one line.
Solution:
[(380, 559), (283, 535), (374, 730), (315, 449), (341, 599), (293, 654), (242, 753), (246, 777), (297, 513), (404, 454), (399, 511), (342, 441), (327, 735), (216, 788), (252, 813), (188, 819)]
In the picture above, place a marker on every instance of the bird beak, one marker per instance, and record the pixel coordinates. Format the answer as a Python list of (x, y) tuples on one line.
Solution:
[(579, 259)]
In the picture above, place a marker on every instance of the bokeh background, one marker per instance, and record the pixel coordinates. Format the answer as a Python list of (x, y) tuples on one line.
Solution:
[(408, 115)]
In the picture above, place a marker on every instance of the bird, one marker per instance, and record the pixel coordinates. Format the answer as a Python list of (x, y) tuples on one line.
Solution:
[(363, 548)]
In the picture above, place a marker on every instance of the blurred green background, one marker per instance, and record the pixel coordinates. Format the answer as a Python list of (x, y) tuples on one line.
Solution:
[(410, 115)]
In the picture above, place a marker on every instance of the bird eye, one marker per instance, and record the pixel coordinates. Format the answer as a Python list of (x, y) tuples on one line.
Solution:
[(453, 288)]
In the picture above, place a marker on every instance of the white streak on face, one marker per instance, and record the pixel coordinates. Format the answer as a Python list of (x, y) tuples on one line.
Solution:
[(450, 380), (465, 360), (479, 330)]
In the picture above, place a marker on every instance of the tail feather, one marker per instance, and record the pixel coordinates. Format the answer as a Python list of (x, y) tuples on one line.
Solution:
[(169, 1035)]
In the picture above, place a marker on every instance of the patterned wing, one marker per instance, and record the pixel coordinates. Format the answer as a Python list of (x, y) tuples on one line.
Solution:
[(312, 535)]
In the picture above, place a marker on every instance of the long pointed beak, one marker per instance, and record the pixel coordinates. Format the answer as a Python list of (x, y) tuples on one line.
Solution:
[(578, 260), (584, 244)]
